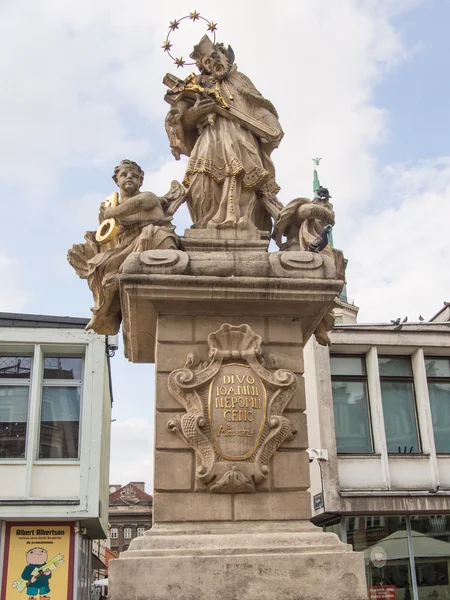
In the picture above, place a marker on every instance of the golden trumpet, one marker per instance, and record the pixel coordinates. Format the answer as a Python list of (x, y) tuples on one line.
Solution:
[(109, 227)]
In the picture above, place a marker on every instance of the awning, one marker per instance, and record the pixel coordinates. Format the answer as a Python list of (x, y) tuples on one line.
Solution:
[(396, 546), (97, 564)]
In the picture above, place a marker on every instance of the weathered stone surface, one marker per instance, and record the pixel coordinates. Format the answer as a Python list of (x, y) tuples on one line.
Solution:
[(173, 507), (175, 328), (287, 357), (292, 561), (291, 471), (173, 471), (275, 506), (173, 356), (300, 440), (285, 330), (164, 401), (204, 325), (298, 400), (164, 439)]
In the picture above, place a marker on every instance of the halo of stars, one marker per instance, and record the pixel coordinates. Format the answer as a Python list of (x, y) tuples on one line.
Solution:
[(193, 16)]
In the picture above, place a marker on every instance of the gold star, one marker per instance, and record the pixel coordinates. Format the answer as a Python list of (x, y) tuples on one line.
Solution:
[(194, 15), (174, 24), (180, 62), (212, 26), (166, 46)]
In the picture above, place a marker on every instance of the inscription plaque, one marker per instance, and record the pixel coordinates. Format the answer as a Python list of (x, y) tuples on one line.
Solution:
[(237, 411), (234, 407)]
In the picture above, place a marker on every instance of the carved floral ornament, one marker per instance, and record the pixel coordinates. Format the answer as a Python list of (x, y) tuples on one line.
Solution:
[(234, 410)]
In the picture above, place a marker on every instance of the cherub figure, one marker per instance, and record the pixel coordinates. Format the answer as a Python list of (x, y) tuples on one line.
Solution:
[(141, 221), (302, 221)]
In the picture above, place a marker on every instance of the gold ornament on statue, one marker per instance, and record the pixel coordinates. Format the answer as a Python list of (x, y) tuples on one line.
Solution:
[(109, 227), (175, 24)]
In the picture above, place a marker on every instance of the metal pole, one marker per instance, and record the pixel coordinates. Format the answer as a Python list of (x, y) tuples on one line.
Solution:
[(412, 564)]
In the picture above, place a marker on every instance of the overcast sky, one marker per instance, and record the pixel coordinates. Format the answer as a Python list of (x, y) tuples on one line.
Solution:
[(361, 83)]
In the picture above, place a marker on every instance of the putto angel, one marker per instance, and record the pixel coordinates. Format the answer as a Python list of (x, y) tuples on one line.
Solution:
[(131, 221)]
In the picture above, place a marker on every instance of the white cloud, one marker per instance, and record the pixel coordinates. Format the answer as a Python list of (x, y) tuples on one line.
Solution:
[(89, 89), (400, 255), (13, 294), (132, 452)]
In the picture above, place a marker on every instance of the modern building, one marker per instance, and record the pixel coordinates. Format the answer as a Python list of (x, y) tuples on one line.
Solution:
[(55, 415), (378, 403), (130, 514)]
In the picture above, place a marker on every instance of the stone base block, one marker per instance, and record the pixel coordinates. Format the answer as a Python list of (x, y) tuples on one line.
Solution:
[(238, 561)]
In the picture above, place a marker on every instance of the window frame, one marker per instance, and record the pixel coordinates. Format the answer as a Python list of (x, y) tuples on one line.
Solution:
[(125, 536), (18, 382), (402, 379), (431, 379), (47, 352), (361, 379), (114, 533)]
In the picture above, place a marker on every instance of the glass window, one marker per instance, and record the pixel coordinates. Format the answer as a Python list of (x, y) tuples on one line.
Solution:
[(114, 533), (438, 376), (60, 422), (140, 531), (348, 365), (13, 420), (15, 367), (386, 557), (389, 569), (60, 408), (15, 375), (374, 522), (399, 408), (127, 533), (61, 367), (431, 546), (351, 405)]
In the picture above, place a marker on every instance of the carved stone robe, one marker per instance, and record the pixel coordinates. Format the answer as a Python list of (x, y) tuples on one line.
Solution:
[(230, 176)]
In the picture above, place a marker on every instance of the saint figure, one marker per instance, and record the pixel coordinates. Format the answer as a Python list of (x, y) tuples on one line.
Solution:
[(228, 130)]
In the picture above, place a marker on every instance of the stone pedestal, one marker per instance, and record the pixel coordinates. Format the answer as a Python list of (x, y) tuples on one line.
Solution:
[(230, 526)]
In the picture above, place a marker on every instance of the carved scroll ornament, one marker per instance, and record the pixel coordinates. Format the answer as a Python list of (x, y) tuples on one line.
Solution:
[(234, 410)]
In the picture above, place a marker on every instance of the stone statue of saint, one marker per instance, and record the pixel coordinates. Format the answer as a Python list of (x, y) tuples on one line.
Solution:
[(228, 130), (140, 221)]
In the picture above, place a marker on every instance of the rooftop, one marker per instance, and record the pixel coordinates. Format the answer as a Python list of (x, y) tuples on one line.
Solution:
[(25, 320)]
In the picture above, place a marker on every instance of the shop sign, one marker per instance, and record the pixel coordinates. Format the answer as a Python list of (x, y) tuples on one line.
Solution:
[(318, 501), (378, 556), (38, 561), (382, 592)]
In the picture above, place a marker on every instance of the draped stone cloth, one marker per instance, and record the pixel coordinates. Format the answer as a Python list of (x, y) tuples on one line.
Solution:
[(101, 264), (230, 175)]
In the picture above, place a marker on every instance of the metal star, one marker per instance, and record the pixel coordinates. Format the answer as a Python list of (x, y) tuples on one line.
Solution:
[(166, 46), (174, 24), (180, 62), (194, 15), (212, 26)]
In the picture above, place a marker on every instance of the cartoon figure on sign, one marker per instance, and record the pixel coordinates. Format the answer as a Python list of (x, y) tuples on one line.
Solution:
[(36, 575)]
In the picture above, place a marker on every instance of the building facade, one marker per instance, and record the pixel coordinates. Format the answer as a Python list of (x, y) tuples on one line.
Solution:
[(130, 514), (378, 403), (55, 414)]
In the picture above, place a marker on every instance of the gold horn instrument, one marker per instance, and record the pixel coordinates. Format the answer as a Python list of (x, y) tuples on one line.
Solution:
[(109, 227)]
